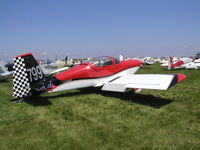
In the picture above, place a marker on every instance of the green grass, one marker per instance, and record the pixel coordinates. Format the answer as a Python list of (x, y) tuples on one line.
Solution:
[(91, 119)]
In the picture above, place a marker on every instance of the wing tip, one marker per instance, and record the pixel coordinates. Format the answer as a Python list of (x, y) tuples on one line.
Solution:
[(181, 77), (177, 79)]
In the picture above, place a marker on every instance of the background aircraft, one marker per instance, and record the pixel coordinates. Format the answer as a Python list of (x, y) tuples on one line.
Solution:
[(5, 70), (55, 67), (193, 65), (184, 62), (148, 60)]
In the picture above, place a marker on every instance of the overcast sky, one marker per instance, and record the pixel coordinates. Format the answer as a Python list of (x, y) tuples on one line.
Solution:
[(87, 28)]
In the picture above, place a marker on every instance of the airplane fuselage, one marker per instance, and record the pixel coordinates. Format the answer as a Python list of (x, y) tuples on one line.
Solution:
[(89, 70), (92, 82), (91, 75)]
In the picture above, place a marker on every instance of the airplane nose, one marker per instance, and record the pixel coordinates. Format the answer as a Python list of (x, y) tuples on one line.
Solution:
[(181, 77)]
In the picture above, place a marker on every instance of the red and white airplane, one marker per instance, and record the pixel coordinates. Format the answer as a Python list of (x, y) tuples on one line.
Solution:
[(184, 62), (106, 72)]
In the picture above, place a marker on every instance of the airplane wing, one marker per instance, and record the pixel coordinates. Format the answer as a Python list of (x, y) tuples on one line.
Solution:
[(143, 81)]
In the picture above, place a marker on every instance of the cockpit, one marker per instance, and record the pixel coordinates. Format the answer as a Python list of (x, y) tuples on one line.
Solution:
[(102, 61)]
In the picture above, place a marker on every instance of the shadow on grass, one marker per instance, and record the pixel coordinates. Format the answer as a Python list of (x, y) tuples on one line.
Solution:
[(33, 100), (142, 99), (149, 100), (3, 79), (146, 67), (38, 101)]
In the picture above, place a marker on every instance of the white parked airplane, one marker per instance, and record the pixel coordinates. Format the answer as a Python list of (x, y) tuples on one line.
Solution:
[(4, 72), (193, 65), (52, 68), (148, 60)]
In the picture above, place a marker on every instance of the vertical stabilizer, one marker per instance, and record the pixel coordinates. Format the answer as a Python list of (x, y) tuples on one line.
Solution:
[(27, 73)]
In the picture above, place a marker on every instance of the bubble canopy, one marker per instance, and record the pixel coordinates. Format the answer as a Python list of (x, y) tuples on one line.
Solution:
[(101, 61)]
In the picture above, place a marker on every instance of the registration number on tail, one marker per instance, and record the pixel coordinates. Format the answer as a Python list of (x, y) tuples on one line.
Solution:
[(35, 73)]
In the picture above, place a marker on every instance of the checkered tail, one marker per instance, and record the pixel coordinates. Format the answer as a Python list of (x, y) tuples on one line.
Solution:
[(21, 85)]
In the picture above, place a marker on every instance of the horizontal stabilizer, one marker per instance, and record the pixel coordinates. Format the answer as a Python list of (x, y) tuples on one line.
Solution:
[(143, 81)]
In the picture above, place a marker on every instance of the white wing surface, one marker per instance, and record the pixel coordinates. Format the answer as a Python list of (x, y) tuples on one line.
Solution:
[(146, 81)]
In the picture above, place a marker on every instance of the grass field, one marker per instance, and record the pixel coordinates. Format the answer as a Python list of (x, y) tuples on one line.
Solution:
[(91, 119)]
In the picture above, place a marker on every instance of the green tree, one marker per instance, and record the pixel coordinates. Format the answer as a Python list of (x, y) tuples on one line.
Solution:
[(198, 55)]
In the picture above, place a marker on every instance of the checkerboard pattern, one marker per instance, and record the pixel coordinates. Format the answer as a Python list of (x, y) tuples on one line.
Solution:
[(21, 85)]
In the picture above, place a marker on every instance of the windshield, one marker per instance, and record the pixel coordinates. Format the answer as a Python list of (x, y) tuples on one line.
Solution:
[(100, 61)]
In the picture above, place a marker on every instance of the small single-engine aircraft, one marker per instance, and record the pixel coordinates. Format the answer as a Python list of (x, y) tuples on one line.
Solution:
[(52, 68), (48, 69), (184, 62), (193, 65), (5, 71), (106, 72), (148, 60)]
